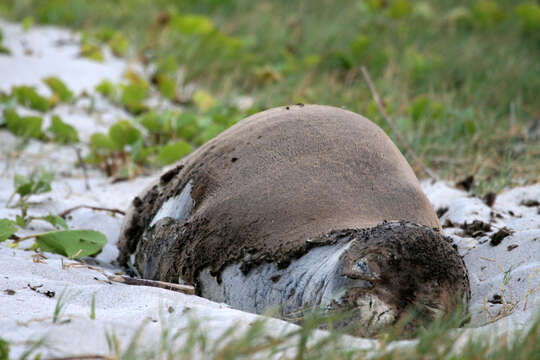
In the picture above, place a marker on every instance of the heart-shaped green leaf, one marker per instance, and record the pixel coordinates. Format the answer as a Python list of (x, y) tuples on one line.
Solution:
[(29, 97), (172, 152), (74, 244), (7, 228), (25, 126), (62, 133), (123, 133), (58, 87)]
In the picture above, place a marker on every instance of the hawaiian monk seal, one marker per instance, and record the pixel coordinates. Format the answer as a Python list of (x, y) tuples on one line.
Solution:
[(299, 207)]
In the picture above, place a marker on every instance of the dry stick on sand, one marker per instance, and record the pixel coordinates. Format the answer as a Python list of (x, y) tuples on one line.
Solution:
[(185, 289), (68, 211), (400, 137)]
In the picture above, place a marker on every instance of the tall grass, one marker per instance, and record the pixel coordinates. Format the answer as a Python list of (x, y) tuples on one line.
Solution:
[(460, 78), (440, 340)]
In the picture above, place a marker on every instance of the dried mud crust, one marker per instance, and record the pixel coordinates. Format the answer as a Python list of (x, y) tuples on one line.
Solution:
[(270, 183), (417, 263)]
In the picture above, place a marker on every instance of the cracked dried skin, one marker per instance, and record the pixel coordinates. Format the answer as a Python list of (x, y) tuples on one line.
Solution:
[(297, 174)]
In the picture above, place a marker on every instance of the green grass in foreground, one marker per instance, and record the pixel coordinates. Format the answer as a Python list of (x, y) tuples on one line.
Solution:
[(460, 78), (440, 340)]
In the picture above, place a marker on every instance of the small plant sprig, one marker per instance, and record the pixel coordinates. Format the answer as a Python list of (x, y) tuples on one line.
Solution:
[(60, 306), (3, 50), (38, 182), (4, 349), (93, 307)]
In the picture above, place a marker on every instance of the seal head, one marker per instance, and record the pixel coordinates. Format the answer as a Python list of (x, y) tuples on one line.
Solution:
[(390, 274)]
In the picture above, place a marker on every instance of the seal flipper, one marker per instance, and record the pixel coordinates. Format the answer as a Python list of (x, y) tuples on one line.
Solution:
[(162, 240), (157, 250)]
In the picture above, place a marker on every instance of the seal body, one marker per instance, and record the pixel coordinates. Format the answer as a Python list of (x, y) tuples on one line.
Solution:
[(285, 210)]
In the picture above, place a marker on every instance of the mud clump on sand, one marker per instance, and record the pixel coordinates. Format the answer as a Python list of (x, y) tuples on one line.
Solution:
[(530, 203), (499, 236), (467, 183), (490, 198), (475, 229)]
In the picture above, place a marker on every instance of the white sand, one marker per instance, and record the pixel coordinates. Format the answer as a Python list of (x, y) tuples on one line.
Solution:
[(512, 273)]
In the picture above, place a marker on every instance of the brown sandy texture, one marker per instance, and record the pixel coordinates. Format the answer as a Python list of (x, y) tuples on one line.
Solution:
[(266, 186)]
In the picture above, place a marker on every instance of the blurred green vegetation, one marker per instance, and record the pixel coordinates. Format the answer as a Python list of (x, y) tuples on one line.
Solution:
[(460, 78)]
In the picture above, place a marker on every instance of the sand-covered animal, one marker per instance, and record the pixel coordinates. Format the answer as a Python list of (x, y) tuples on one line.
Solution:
[(294, 208)]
